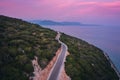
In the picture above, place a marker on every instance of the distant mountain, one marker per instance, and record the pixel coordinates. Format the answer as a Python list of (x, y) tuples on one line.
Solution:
[(65, 23)]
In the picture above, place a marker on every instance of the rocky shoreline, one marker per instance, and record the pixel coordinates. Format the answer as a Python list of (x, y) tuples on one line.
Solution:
[(112, 65)]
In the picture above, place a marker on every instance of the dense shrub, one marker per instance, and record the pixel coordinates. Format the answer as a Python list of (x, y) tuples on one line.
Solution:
[(20, 41)]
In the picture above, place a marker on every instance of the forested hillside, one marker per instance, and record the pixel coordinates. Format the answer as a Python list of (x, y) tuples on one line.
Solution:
[(20, 41)]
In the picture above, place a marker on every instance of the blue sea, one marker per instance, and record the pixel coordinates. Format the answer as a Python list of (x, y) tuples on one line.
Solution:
[(106, 38)]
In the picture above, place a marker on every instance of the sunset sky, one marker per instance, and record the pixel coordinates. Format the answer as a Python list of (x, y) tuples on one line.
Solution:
[(105, 12)]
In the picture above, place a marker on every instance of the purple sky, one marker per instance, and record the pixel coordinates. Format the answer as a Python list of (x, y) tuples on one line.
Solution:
[(106, 12)]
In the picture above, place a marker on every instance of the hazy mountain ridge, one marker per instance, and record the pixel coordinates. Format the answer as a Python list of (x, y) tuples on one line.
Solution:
[(65, 23)]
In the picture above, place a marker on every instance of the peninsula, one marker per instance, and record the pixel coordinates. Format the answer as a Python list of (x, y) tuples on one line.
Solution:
[(20, 41)]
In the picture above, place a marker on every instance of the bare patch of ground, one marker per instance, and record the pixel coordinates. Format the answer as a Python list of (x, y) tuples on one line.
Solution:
[(40, 74)]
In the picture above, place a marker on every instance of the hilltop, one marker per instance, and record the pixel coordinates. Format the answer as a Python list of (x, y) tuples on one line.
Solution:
[(20, 41)]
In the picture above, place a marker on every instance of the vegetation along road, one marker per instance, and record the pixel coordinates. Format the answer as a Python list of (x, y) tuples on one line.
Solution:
[(55, 71)]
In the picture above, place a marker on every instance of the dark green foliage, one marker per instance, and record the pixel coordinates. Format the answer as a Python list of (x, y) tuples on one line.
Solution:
[(86, 62), (20, 41)]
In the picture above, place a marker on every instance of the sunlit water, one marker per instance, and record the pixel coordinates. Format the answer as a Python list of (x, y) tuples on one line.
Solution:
[(106, 38)]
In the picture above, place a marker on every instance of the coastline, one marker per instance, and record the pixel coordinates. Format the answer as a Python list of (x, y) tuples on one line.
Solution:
[(112, 65), (106, 43), (104, 53)]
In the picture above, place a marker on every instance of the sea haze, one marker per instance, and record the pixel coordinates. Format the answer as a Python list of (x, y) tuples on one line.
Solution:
[(105, 37)]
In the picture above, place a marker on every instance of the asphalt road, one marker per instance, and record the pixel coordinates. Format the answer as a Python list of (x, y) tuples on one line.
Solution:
[(54, 75)]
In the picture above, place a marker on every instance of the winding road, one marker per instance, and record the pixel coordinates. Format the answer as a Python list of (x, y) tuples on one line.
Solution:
[(55, 71)]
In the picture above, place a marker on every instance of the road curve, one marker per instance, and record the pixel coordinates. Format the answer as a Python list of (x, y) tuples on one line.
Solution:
[(55, 71)]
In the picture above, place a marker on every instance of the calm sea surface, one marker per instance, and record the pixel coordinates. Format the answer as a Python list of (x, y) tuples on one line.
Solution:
[(106, 38)]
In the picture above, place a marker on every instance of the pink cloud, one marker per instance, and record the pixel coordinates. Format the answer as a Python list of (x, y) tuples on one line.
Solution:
[(112, 8), (61, 9), (94, 11)]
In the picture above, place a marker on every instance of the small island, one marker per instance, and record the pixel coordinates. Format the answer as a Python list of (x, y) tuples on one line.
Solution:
[(63, 23)]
